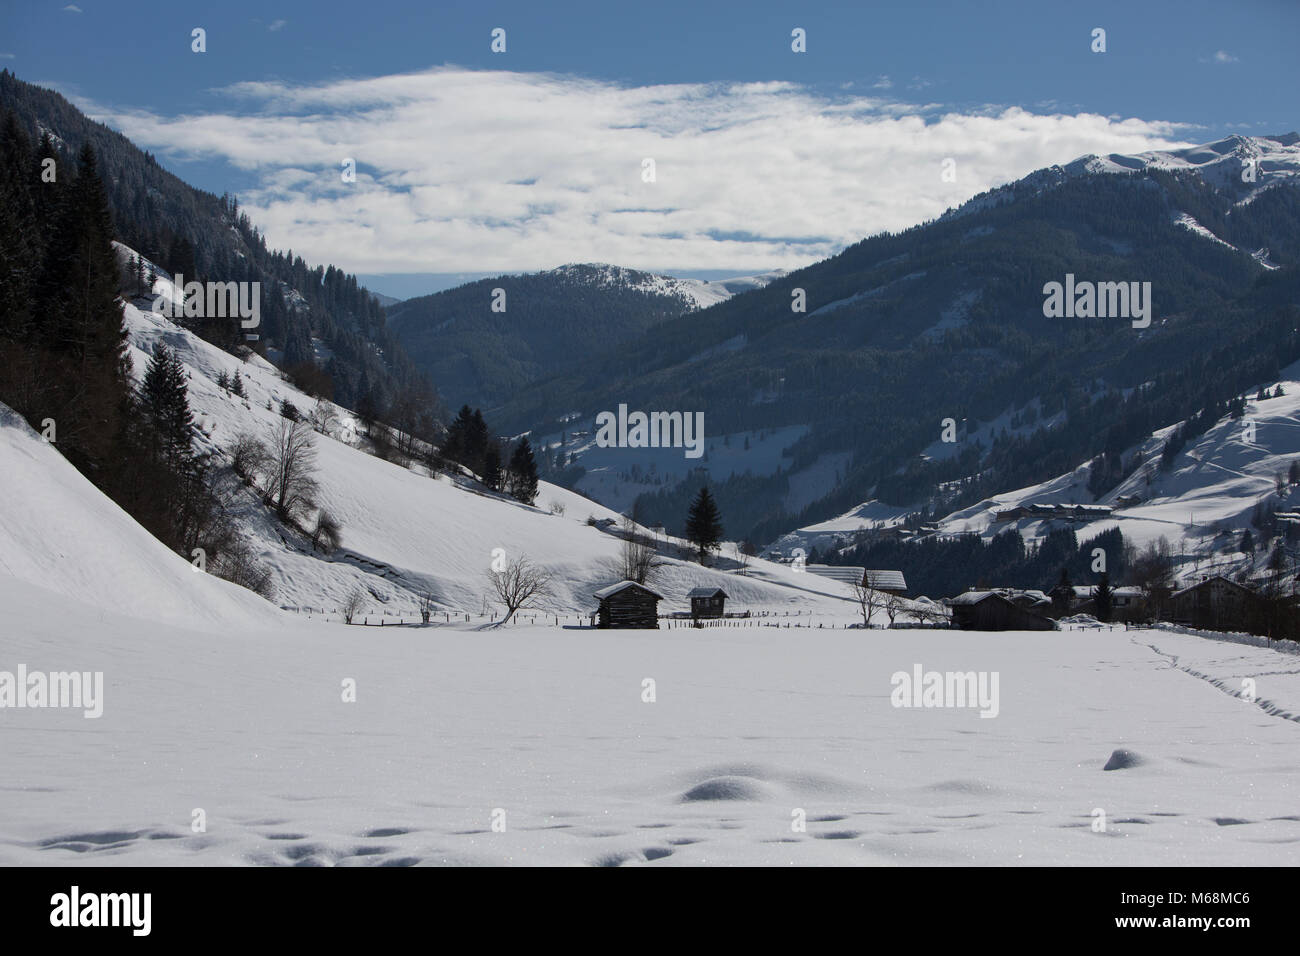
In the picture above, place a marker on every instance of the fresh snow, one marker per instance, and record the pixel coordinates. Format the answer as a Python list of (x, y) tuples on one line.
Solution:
[(546, 731)]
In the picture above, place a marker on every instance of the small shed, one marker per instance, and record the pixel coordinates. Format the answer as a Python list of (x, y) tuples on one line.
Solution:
[(707, 602), (990, 611), (628, 604)]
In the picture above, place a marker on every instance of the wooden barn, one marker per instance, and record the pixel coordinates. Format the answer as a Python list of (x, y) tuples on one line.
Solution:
[(1213, 603), (628, 604), (990, 611), (707, 602)]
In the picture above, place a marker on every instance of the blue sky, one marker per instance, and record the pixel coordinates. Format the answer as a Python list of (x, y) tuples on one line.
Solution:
[(531, 158)]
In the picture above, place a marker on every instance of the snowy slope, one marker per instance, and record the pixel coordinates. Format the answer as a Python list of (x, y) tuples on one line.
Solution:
[(60, 532), (1201, 505), (406, 533)]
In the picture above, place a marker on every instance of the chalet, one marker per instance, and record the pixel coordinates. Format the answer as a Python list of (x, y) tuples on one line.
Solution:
[(1082, 598), (628, 604), (1011, 514), (891, 582), (1093, 512), (1128, 501), (707, 602), (991, 611), (1213, 603)]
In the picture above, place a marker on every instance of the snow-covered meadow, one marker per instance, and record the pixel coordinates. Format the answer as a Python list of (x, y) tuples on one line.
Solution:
[(537, 745), (236, 733)]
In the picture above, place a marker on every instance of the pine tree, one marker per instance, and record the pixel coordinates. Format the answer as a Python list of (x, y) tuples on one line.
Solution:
[(83, 327), (523, 473), (1247, 542), (237, 386), (165, 404), (704, 523), (492, 468), (1103, 599)]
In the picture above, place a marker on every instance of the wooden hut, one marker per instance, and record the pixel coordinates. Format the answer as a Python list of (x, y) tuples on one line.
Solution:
[(707, 602), (990, 611), (628, 604)]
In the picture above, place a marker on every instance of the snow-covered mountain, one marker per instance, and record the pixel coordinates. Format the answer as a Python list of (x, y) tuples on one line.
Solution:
[(693, 293), (484, 342), (1243, 166), (1202, 503)]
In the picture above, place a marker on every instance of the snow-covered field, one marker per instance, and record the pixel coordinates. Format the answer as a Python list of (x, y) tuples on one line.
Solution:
[(545, 732)]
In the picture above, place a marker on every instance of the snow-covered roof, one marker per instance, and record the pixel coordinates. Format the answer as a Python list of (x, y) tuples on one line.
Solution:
[(974, 597), (886, 580), (705, 592), (622, 585)]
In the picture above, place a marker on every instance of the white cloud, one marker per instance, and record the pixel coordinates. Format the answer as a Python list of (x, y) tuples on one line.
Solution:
[(277, 25), (1223, 57), (480, 171), (73, 8), (6, 56), (884, 83)]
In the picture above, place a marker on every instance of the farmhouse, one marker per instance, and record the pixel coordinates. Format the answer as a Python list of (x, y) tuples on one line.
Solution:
[(1214, 603), (990, 611), (628, 604), (707, 602)]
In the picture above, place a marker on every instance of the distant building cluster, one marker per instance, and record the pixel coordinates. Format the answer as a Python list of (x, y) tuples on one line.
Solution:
[(1044, 510)]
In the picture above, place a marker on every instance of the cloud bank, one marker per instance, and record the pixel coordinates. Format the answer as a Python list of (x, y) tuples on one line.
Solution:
[(480, 171)]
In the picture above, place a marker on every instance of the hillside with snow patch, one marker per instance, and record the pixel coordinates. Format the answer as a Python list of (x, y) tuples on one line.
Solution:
[(405, 532)]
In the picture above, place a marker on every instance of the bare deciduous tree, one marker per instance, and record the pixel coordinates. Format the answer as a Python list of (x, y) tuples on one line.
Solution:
[(249, 457), (327, 535), (323, 417), (293, 461), (638, 559), (352, 605), (426, 606), (869, 602), (520, 584), (893, 604)]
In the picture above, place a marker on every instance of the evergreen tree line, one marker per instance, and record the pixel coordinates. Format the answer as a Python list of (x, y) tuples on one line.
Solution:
[(64, 365), (204, 236), (470, 443), (943, 567)]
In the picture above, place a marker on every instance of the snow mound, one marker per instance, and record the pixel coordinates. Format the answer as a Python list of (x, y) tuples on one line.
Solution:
[(59, 532), (1123, 760)]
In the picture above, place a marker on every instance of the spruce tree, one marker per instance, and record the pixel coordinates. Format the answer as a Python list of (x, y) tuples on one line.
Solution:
[(523, 473), (82, 322), (704, 523), (1103, 599), (165, 404), (492, 468)]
